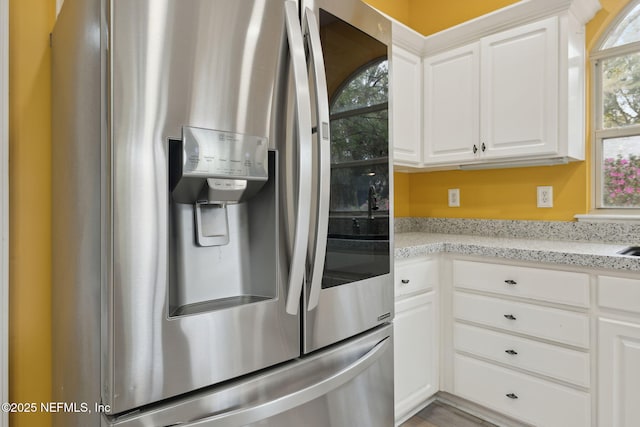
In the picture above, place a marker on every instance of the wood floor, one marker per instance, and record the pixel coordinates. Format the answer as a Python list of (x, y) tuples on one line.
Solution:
[(440, 415)]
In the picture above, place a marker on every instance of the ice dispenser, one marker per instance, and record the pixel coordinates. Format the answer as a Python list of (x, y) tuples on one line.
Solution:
[(223, 220), (211, 169)]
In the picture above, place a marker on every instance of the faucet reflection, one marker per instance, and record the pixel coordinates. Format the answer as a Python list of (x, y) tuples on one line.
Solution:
[(372, 201)]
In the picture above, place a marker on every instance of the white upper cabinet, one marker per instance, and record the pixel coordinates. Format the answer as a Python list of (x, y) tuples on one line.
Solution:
[(498, 98), (505, 89), (406, 106), (406, 99), (519, 91), (451, 108)]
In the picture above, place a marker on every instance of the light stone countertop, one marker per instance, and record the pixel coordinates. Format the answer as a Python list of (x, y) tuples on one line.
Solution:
[(576, 254)]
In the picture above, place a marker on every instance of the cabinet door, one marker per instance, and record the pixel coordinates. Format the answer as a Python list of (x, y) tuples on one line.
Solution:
[(415, 352), (406, 107), (618, 373), (451, 103), (519, 91)]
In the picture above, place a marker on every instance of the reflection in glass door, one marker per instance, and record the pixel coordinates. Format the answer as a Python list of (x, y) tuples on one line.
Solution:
[(358, 82)]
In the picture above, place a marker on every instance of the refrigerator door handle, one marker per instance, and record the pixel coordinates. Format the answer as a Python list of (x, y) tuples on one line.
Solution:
[(303, 112), (324, 153), (244, 416)]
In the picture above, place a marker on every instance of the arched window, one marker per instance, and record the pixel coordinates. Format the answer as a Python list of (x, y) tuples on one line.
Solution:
[(360, 140), (616, 61)]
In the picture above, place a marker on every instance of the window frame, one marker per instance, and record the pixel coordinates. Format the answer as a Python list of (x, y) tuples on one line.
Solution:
[(381, 106), (599, 133)]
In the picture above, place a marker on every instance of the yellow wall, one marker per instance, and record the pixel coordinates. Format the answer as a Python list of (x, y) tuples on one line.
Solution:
[(399, 9), (431, 16), (501, 193), (485, 194), (30, 22)]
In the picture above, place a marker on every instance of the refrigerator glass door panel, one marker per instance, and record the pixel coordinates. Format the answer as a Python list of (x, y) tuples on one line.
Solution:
[(185, 313), (319, 391), (356, 287)]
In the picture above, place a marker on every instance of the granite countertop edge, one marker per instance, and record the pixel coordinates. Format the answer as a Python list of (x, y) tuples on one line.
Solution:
[(574, 254)]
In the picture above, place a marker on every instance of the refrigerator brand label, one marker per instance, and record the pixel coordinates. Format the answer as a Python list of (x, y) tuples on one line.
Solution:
[(384, 317)]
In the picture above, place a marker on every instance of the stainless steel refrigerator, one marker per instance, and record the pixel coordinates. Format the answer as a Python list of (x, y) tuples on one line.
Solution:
[(222, 199)]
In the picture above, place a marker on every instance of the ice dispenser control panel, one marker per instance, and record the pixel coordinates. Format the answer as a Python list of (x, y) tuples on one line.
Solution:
[(218, 154), (214, 166)]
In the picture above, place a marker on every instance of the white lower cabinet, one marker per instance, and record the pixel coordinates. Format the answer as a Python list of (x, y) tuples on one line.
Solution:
[(534, 356), (619, 352), (516, 349), (542, 345), (416, 336), (524, 397)]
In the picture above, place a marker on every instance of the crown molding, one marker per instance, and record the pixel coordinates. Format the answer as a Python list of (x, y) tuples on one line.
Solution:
[(517, 14)]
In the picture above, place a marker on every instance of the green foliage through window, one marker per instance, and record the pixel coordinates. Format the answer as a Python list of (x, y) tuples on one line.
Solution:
[(360, 141), (621, 91)]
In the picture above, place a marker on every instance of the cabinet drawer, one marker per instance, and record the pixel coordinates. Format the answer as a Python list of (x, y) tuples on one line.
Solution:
[(543, 322), (548, 285), (557, 362), (415, 275), (619, 293), (529, 399)]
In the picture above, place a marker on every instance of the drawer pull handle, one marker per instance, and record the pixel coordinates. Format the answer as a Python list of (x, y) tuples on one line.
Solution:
[(510, 316), (405, 281), (511, 352), (512, 396), (510, 282)]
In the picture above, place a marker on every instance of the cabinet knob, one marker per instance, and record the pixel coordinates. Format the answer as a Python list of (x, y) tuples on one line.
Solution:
[(511, 352), (510, 316), (404, 281), (484, 147), (510, 282), (512, 396), (475, 149)]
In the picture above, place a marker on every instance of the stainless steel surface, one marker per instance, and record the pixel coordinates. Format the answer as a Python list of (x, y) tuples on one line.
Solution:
[(148, 319), (76, 252), (216, 166), (212, 224), (303, 127), (356, 13), (170, 335), (346, 385), (318, 250), (216, 154), (631, 251), (339, 312)]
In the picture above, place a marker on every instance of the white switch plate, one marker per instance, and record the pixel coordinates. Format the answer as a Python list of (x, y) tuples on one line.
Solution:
[(454, 197), (545, 197)]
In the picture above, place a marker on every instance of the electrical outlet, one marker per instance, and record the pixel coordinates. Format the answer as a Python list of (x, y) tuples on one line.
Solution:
[(454, 197), (545, 197)]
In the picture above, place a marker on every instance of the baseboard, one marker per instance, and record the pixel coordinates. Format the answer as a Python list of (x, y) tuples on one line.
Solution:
[(478, 411), (404, 417)]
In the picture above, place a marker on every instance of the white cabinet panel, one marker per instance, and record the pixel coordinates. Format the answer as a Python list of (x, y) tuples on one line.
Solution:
[(563, 287), (521, 396), (406, 106), (415, 352), (542, 322), (618, 373), (513, 96), (534, 356), (619, 293), (451, 94), (519, 90), (415, 275)]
